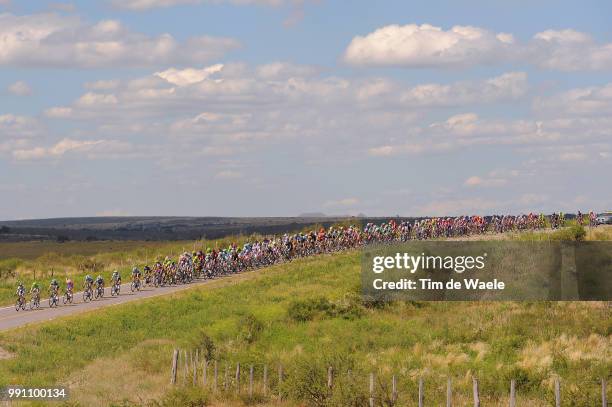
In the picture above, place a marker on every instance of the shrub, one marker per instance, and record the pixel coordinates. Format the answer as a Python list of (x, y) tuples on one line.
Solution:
[(249, 328), (184, 397), (306, 310), (206, 345), (572, 233)]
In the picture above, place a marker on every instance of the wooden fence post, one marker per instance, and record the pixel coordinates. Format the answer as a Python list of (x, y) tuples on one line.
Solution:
[(185, 367), (421, 391), (238, 378), (204, 372), (604, 395), (216, 374), (251, 381), (393, 389), (371, 389), (280, 380), (265, 380), (174, 365), (512, 393), (449, 393), (226, 378), (475, 390), (195, 371), (330, 378), (557, 393)]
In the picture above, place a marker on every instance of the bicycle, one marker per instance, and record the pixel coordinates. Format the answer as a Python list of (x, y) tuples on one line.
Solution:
[(87, 293), (135, 285), (35, 301), (68, 296), (99, 293), (115, 289), (53, 299), (20, 303)]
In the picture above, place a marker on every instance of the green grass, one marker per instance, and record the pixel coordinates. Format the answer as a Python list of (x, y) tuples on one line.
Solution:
[(308, 315), (27, 261)]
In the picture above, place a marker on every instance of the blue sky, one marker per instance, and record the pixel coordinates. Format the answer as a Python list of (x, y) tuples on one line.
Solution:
[(279, 107)]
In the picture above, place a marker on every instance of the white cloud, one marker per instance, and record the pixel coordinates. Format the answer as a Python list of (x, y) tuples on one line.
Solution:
[(20, 88), (426, 45), (92, 149), (96, 99), (58, 112), (65, 41), (570, 50), (508, 86), (590, 101), (414, 46), (189, 76), (17, 127)]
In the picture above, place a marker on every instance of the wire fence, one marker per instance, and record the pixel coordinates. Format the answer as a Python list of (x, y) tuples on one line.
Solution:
[(188, 368)]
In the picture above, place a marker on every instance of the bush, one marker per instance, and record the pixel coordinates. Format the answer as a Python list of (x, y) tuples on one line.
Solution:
[(206, 345), (306, 381), (249, 328), (306, 310), (573, 233), (183, 397)]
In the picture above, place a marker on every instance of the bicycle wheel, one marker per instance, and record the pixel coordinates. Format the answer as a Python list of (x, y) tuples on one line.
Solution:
[(133, 286), (17, 305)]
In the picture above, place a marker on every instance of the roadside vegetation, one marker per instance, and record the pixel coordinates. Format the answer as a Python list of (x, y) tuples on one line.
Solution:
[(308, 315), (26, 261)]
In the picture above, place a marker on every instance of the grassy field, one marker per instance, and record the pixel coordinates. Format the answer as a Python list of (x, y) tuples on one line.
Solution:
[(308, 315), (26, 261)]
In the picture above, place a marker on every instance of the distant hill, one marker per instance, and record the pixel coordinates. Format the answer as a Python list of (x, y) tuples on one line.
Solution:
[(152, 228)]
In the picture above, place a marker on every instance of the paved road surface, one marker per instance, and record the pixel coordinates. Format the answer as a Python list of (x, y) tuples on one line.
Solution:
[(9, 318)]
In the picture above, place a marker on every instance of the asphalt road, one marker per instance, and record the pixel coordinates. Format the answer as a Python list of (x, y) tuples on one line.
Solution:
[(9, 318)]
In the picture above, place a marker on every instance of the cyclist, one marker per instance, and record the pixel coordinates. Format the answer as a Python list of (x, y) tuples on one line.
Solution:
[(53, 287), (116, 278), (21, 291), (35, 290), (69, 285), (100, 281), (88, 282), (135, 274), (147, 274)]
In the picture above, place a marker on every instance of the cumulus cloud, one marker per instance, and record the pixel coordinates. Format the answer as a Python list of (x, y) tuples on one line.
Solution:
[(570, 50), (589, 101), (426, 45), (508, 86), (417, 46), (66, 41), (18, 127), (20, 88), (188, 76)]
